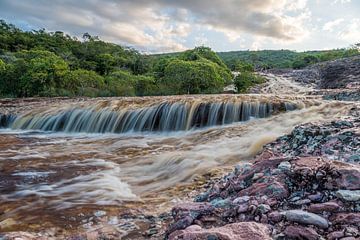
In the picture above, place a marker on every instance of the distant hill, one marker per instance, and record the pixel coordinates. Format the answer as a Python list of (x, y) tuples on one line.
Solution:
[(280, 59), (284, 58)]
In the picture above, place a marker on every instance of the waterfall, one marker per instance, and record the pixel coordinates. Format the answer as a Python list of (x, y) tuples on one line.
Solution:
[(166, 116)]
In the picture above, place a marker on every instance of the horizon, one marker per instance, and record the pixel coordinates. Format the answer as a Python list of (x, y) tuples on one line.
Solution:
[(162, 26)]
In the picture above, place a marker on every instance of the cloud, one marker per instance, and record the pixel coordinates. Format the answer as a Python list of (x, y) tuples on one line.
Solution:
[(329, 26), (161, 25), (341, 1), (352, 32)]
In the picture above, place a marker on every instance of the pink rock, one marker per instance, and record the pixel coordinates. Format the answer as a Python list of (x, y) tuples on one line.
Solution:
[(346, 218), (349, 178), (184, 208), (235, 231), (298, 232), (273, 189), (324, 207), (275, 216), (335, 235)]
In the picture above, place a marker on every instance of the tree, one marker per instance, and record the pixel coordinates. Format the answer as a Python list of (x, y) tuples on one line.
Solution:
[(82, 82), (245, 80), (36, 72), (191, 77)]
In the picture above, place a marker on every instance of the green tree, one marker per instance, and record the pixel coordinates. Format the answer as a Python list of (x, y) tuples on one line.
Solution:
[(83, 82), (191, 77), (245, 80), (36, 72)]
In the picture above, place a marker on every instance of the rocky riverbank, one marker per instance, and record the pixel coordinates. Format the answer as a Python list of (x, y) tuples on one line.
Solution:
[(305, 185)]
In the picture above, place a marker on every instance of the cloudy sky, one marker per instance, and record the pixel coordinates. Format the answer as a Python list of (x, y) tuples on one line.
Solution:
[(174, 25)]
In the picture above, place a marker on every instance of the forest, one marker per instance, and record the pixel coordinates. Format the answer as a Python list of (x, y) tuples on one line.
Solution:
[(42, 63)]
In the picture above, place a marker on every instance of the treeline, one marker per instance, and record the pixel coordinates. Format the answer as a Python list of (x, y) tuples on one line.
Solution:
[(41, 63), (268, 59)]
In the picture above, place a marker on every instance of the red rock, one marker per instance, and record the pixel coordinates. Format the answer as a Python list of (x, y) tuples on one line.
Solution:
[(273, 189), (324, 207), (191, 207), (335, 235), (298, 232), (346, 218), (235, 231)]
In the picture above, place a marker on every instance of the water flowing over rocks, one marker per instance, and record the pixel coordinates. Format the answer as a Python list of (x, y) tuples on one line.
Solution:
[(304, 185)]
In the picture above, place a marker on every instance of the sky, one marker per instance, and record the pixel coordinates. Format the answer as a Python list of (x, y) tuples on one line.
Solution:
[(156, 26)]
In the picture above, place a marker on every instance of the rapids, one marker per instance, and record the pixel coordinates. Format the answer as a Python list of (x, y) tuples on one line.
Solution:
[(164, 117), (72, 157)]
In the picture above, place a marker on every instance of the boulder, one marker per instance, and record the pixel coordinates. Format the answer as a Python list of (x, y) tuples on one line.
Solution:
[(235, 231), (298, 232), (348, 195), (324, 207), (346, 218), (307, 218)]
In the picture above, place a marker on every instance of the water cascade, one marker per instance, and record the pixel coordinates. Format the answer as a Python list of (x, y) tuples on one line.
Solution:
[(166, 116)]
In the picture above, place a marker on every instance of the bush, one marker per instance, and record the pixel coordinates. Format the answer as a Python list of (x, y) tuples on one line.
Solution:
[(245, 80)]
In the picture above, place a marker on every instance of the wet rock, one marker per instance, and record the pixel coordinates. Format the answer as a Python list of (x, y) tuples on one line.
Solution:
[(349, 196), (235, 231), (307, 218), (324, 207), (100, 213), (298, 232)]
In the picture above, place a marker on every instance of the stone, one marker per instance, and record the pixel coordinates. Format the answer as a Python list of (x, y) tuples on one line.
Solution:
[(285, 166), (221, 203), (263, 208), (324, 207), (275, 216), (240, 200), (307, 218), (272, 190), (298, 232), (242, 208), (346, 218), (192, 208), (351, 231), (235, 231), (100, 213), (335, 235), (349, 178), (348, 195), (315, 197)]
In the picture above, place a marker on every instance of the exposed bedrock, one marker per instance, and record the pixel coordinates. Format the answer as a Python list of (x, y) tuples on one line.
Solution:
[(294, 188)]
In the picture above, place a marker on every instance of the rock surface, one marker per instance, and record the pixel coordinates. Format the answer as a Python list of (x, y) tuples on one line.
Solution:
[(304, 185), (235, 231)]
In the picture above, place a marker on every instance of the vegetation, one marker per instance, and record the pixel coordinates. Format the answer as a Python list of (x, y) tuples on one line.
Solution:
[(245, 80), (267, 59), (40, 63)]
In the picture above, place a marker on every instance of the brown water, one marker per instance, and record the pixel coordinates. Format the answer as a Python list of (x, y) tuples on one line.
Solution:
[(45, 176)]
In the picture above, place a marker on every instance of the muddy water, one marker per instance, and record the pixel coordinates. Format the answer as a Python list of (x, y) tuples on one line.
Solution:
[(56, 179)]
